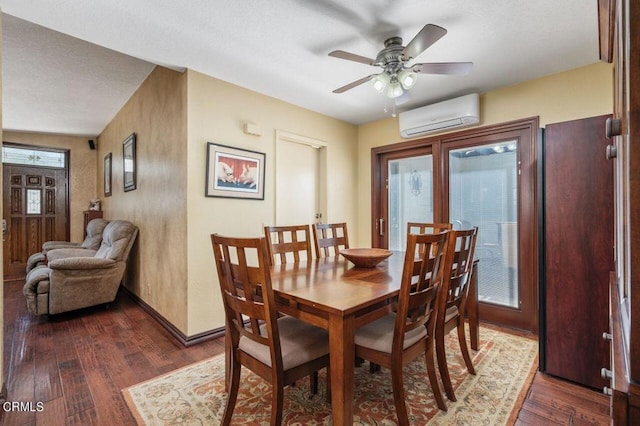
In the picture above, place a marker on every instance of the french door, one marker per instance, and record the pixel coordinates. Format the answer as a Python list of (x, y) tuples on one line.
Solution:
[(485, 180), (407, 178)]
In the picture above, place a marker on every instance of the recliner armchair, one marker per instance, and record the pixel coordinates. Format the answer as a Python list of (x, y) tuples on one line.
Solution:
[(92, 241), (78, 278)]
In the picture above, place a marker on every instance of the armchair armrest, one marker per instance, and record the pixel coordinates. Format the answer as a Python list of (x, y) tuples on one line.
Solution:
[(69, 252), (81, 263), (52, 245)]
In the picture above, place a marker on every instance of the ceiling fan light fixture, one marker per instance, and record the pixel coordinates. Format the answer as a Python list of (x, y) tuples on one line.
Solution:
[(380, 81), (395, 89), (407, 78)]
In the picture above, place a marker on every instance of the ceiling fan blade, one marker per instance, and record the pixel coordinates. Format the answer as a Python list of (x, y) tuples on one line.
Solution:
[(443, 68), (428, 35), (352, 57), (354, 84)]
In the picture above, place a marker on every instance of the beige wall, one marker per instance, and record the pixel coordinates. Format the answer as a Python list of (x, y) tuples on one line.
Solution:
[(157, 114), (579, 93), (216, 112), (82, 169)]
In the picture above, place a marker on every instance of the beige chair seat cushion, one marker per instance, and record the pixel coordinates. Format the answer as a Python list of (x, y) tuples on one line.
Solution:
[(299, 342), (378, 335), (452, 312)]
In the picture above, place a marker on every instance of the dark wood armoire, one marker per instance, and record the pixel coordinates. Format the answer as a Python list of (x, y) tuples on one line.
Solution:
[(578, 250), (620, 44)]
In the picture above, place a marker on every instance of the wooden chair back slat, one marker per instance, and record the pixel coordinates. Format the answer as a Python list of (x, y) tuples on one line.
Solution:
[(329, 238), (283, 240)]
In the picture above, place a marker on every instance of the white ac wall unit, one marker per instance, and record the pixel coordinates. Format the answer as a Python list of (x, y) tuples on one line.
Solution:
[(446, 115)]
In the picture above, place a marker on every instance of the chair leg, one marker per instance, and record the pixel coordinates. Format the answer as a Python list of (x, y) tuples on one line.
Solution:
[(233, 393), (462, 339), (276, 404), (329, 384), (442, 366), (433, 379), (398, 396), (313, 383)]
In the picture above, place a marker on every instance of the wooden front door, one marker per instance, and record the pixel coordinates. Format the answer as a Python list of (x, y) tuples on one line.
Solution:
[(36, 210), (578, 235)]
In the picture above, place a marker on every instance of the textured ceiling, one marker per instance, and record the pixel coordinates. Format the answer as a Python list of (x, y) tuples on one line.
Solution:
[(55, 83)]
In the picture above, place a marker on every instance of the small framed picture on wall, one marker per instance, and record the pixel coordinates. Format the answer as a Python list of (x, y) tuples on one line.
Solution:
[(107, 175), (129, 162)]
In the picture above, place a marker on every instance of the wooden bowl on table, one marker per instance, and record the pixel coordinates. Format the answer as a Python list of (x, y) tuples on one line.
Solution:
[(366, 257)]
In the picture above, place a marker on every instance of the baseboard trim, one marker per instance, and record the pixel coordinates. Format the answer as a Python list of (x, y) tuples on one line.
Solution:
[(172, 329)]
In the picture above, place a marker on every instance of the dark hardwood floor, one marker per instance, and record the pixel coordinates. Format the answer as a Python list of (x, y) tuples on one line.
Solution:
[(77, 364)]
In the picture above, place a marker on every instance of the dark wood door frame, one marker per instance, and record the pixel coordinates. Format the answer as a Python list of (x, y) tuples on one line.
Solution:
[(527, 132)]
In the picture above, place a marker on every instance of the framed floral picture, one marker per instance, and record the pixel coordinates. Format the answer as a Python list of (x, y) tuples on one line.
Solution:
[(234, 172)]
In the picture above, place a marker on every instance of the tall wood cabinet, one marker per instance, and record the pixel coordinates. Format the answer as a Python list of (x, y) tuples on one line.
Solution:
[(578, 228), (620, 43)]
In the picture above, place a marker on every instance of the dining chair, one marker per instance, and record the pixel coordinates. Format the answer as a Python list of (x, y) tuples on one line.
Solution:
[(280, 349), (453, 298), (427, 228), (401, 336), (284, 240), (327, 236)]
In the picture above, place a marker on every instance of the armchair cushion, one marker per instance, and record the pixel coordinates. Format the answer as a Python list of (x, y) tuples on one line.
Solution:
[(117, 240), (54, 255)]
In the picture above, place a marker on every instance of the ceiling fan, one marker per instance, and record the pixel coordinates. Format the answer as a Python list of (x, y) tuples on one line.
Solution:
[(398, 74)]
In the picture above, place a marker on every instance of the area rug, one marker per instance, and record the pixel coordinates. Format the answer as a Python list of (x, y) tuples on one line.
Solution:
[(195, 395)]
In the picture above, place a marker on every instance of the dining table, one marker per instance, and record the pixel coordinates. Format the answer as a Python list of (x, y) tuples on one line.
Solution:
[(334, 294)]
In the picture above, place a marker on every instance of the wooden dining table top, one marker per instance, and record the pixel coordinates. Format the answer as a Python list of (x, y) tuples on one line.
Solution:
[(336, 285)]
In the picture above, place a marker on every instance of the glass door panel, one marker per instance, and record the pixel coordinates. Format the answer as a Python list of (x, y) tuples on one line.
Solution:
[(410, 196), (483, 192)]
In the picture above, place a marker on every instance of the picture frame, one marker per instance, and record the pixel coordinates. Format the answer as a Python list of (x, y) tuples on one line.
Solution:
[(129, 162), (107, 175), (234, 172)]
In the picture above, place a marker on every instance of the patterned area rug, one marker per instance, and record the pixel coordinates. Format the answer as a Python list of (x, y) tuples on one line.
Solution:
[(195, 395)]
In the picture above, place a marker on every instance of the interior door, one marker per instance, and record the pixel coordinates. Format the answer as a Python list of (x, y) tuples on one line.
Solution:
[(579, 229), (35, 204), (298, 189)]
